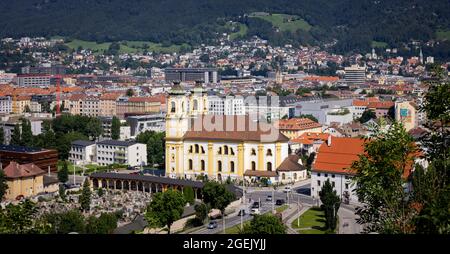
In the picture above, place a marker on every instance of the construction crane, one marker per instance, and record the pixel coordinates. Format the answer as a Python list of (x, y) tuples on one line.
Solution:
[(58, 95)]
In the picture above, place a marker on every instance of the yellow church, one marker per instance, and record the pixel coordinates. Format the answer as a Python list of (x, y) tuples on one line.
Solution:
[(221, 147)]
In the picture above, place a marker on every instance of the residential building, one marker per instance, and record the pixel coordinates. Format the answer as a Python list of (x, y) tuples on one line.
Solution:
[(319, 108), (5, 105), (108, 104), (23, 180), (121, 152), (142, 123), (333, 161), (407, 113), (41, 80), (295, 127), (308, 142), (82, 152), (226, 105)]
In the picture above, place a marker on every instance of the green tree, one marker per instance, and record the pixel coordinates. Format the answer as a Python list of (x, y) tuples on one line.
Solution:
[(165, 208), (201, 212), (16, 136), (130, 92), (155, 146), (379, 176), (64, 142), (85, 197), (63, 173), (217, 196), (2, 136), (94, 128), (431, 185), (3, 184), (18, 219), (115, 128), (189, 194), (100, 192), (62, 192), (367, 115), (27, 134), (104, 224), (66, 222), (265, 224), (330, 205)]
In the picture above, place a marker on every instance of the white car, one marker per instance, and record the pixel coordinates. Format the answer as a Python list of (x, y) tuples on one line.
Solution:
[(287, 189), (255, 211)]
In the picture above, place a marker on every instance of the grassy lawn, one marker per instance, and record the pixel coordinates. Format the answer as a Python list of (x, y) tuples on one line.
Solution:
[(314, 219), (240, 33), (125, 46), (234, 230), (285, 22), (281, 208), (379, 44), (443, 34), (70, 167)]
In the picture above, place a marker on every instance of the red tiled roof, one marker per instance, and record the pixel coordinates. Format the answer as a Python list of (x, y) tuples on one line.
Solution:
[(339, 156), (308, 138), (110, 96), (381, 105), (235, 128), (15, 170), (297, 124)]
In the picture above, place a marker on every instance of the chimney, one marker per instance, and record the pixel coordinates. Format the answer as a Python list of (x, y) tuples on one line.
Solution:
[(329, 140)]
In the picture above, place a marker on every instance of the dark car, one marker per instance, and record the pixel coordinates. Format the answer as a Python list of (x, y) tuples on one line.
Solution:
[(212, 224), (255, 205), (280, 202)]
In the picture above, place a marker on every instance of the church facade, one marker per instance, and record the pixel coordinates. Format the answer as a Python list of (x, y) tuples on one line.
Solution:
[(221, 147)]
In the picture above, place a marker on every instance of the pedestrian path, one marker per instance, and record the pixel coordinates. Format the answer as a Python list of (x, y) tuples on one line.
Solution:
[(294, 216)]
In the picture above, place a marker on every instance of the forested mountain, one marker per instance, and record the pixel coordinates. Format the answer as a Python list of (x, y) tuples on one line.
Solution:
[(354, 23)]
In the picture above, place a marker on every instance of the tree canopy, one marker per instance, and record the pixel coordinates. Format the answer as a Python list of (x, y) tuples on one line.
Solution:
[(265, 224), (165, 208)]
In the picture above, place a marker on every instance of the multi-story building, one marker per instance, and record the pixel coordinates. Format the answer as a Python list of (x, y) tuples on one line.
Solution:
[(295, 127), (333, 161), (320, 108), (21, 104), (46, 159), (47, 69), (355, 75), (137, 105), (121, 152), (226, 105), (23, 180), (407, 113), (108, 104), (207, 75), (40, 80), (5, 105), (142, 123), (124, 132), (74, 103), (90, 106), (82, 152)]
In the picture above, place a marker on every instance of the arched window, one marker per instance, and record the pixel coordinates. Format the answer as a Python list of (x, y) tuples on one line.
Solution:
[(202, 165), (283, 177), (190, 164), (203, 150), (253, 152), (195, 105), (219, 166), (190, 149), (220, 150), (269, 166), (253, 165), (172, 107), (232, 167), (269, 152), (225, 149), (196, 148), (231, 151)]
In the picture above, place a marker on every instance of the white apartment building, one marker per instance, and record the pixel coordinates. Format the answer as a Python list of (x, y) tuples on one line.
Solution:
[(82, 152), (226, 105), (121, 152), (5, 105)]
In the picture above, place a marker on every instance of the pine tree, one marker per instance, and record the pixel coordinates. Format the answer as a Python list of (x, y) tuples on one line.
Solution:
[(115, 128), (85, 198), (27, 134), (330, 204), (16, 136), (63, 173), (2, 136)]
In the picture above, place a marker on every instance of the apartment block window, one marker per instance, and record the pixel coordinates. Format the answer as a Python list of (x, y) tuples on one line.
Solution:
[(318, 183), (332, 176), (326, 175), (318, 174)]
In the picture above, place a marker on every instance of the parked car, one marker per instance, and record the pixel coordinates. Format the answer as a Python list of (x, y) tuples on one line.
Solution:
[(255, 205), (280, 202), (255, 211), (212, 224), (287, 189), (269, 198), (242, 212)]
